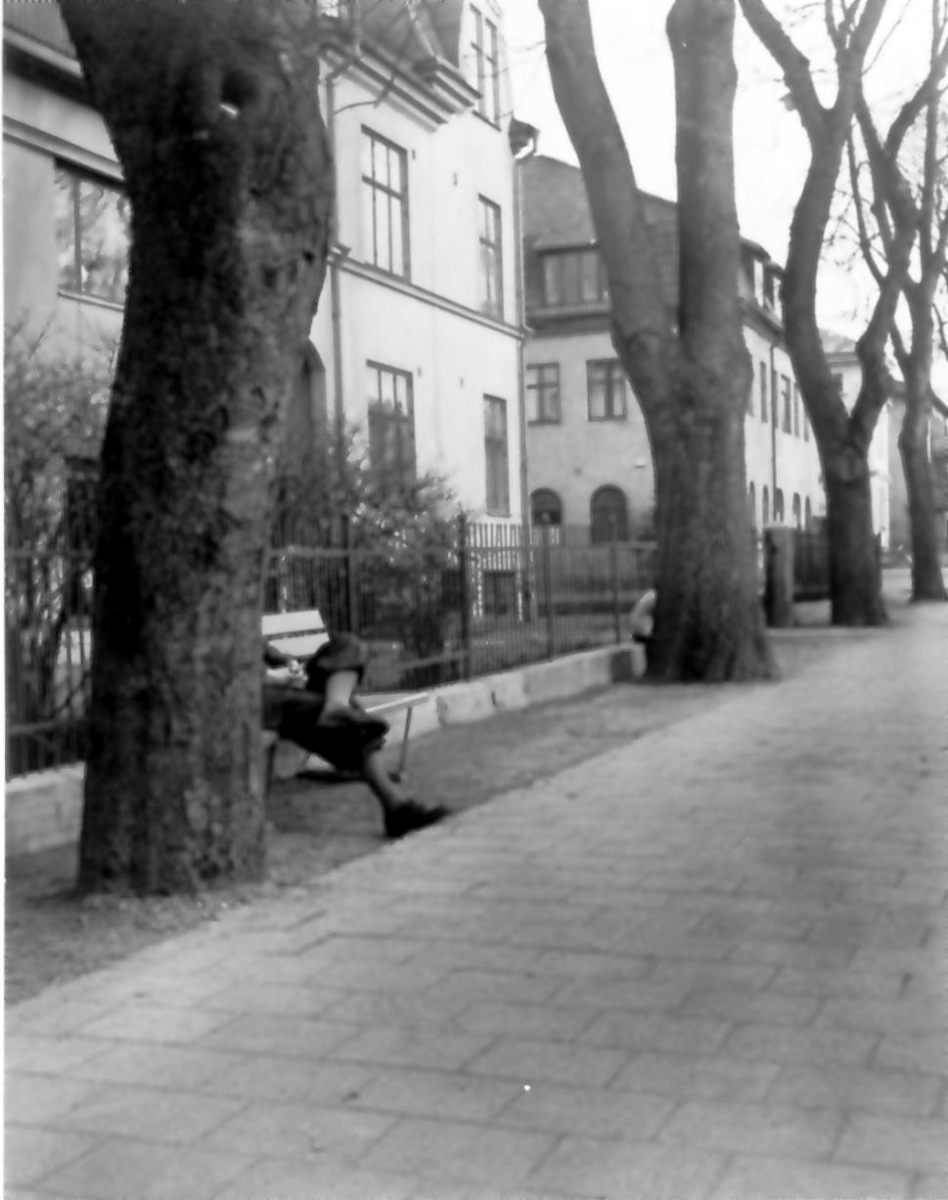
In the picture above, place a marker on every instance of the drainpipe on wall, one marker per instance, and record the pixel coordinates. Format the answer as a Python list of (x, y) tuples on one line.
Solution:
[(523, 145), (774, 413), (337, 255)]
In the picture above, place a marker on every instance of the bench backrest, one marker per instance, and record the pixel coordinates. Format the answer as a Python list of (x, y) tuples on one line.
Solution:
[(297, 633)]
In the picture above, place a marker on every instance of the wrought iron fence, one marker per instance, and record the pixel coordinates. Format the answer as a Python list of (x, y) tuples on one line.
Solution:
[(48, 599), (441, 603), (464, 599)]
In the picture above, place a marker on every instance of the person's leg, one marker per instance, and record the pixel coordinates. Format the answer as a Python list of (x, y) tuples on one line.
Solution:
[(401, 814)]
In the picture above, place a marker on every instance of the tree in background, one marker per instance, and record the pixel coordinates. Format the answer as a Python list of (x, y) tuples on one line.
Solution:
[(908, 191), (691, 377), (213, 111), (843, 437)]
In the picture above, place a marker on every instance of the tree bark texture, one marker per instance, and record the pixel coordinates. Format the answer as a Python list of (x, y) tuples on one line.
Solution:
[(927, 579), (214, 114), (690, 375), (856, 597)]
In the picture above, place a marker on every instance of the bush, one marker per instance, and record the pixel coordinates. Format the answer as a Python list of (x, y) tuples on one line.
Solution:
[(55, 410)]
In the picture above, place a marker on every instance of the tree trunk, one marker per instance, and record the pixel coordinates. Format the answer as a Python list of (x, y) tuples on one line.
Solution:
[(843, 441), (709, 622), (927, 580), (691, 381), (855, 580), (214, 114)]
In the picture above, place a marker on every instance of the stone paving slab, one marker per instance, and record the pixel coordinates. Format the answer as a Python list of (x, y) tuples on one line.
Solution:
[(705, 966)]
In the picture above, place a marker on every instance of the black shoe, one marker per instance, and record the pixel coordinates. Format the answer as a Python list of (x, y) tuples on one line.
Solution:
[(410, 817)]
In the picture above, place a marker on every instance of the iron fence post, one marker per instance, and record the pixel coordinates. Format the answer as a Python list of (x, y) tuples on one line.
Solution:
[(464, 570), (614, 572), (547, 567), (352, 581)]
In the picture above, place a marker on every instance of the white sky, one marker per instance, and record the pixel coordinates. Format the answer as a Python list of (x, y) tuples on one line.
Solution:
[(771, 150)]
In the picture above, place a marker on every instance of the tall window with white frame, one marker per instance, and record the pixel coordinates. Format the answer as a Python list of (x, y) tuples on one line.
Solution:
[(543, 394), (496, 456), (606, 390), (93, 235), (491, 254), (391, 426), (385, 204), (486, 59)]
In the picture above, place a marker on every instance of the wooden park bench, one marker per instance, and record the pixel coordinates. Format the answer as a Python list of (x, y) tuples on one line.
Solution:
[(301, 634)]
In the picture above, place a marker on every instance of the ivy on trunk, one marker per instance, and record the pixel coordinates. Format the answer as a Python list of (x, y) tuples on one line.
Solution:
[(213, 111)]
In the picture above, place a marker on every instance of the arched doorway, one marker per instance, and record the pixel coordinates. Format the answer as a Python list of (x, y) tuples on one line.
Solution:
[(608, 515), (546, 507)]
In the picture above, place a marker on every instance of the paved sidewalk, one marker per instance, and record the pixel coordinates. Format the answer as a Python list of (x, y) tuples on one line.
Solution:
[(710, 964)]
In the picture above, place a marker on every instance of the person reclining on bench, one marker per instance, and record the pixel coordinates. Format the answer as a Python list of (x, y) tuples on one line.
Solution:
[(312, 705)]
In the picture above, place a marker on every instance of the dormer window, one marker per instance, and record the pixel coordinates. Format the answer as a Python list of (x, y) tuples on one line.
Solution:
[(574, 278)]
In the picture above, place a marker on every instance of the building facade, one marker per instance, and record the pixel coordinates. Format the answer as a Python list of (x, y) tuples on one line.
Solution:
[(417, 341), (589, 458)]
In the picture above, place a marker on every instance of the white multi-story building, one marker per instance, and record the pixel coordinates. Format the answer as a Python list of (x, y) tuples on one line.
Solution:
[(589, 458), (418, 337)]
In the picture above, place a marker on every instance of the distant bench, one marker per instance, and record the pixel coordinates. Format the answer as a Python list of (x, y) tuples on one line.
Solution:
[(301, 634)]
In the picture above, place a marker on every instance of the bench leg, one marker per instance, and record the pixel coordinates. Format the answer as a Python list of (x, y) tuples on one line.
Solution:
[(402, 771), (269, 764)]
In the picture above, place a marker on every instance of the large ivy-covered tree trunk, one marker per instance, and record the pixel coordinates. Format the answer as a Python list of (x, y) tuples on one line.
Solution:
[(213, 111), (690, 375)]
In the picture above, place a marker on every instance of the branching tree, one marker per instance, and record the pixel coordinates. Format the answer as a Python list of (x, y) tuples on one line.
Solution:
[(213, 111), (897, 205), (690, 377), (843, 438)]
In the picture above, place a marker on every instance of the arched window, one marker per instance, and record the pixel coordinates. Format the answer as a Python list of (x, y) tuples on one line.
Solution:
[(752, 504), (609, 515), (765, 506), (795, 509), (807, 514), (547, 507), (778, 506)]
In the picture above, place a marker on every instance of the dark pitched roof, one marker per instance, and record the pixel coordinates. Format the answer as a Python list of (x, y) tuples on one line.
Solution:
[(556, 216)]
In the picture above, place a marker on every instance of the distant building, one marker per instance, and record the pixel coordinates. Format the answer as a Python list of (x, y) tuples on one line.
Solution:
[(418, 337), (589, 460)]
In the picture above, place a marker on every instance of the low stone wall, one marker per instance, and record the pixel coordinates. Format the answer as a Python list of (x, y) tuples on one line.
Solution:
[(44, 810)]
